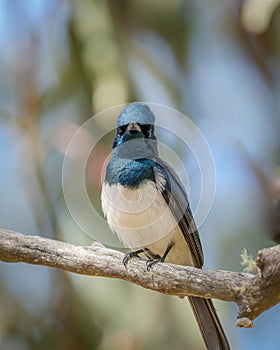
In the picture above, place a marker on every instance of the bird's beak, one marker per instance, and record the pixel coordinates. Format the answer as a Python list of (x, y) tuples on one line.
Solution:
[(133, 127)]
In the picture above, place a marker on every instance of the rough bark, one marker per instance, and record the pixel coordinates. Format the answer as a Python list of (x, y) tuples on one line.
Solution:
[(253, 294)]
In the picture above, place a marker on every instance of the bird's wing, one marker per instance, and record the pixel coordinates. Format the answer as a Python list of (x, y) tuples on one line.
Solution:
[(175, 195), (173, 191)]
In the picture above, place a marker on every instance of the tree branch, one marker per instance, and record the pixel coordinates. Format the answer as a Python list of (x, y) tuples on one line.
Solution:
[(252, 293)]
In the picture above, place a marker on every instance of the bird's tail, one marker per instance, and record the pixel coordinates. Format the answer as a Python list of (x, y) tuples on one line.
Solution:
[(209, 324)]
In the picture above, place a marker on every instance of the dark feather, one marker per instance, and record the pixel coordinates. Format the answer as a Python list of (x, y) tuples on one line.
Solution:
[(209, 324), (175, 195), (177, 199)]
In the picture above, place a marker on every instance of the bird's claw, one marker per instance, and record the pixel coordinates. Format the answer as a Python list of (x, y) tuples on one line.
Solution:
[(131, 255), (150, 263), (126, 259)]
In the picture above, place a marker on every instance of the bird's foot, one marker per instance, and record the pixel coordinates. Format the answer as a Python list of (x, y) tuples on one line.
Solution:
[(131, 255), (152, 262), (157, 259)]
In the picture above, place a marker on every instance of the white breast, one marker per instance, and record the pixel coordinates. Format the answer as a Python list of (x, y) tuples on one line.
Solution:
[(141, 218)]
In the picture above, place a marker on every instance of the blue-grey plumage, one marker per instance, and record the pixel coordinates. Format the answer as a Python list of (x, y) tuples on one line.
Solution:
[(136, 166), (147, 206), (137, 112)]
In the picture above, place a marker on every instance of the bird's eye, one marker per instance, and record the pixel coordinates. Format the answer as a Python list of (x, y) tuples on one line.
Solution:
[(121, 131), (147, 131)]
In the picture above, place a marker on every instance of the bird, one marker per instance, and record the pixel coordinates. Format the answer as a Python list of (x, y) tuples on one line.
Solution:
[(147, 207)]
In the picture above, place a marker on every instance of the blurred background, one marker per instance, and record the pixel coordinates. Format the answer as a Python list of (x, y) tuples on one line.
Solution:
[(61, 61)]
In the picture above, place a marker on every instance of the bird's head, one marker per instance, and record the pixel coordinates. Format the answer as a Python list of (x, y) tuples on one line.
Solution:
[(136, 123)]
